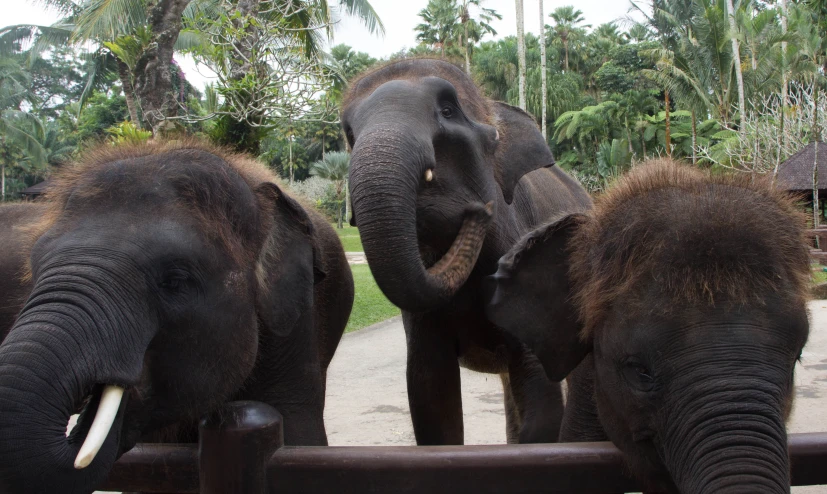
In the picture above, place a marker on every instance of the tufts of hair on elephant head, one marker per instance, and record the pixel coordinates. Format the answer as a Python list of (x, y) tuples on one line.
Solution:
[(155, 283), (676, 309)]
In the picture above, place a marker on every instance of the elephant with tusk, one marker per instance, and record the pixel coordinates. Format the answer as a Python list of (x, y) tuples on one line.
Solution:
[(163, 280), (444, 181)]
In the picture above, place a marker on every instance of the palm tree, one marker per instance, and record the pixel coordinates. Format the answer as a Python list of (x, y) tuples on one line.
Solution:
[(477, 28), (335, 167), (441, 24), (20, 133), (566, 20), (736, 54), (589, 126), (102, 21), (521, 50), (785, 99), (819, 11), (543, 73)]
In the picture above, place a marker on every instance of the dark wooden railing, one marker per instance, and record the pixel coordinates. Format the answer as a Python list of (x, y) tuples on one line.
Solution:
[(241, 451)]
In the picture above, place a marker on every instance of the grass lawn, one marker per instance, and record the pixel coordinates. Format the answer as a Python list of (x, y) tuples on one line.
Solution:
[(349, 235), (819, 277), (369, 306)]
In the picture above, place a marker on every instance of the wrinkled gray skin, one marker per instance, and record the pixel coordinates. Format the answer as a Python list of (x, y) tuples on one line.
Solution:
[(418, 115), (128, 288)]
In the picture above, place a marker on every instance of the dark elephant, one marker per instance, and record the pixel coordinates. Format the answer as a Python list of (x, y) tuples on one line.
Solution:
[(444, 182), (167, 280), (14, 243), (692, 293)]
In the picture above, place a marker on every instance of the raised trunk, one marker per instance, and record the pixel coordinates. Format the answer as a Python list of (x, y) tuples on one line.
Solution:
[(153, 81), (521, 51), (543, 75), (128, 93), (388, 168), (64, 347)]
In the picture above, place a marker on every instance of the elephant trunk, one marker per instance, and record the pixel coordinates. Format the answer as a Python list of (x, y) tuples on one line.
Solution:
[(389, 166), (730, 440), (66, 353)]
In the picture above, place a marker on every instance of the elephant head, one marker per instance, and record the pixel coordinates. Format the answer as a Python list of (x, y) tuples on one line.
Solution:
[(152, 277), (432, 161), (690, 293)]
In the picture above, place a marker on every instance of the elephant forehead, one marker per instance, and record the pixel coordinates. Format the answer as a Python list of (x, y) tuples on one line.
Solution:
[(694, 237), (184, 179), (415, 71)]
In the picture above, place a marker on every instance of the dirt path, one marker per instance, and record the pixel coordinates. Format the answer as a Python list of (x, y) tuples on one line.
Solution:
[(367, 403)]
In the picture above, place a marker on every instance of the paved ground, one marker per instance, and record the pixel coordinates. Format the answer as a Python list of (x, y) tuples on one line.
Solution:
[(356, 257), (367, 403)]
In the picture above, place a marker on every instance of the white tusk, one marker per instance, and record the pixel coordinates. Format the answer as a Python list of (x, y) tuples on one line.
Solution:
[(429, 175), (105, 416), (497, 136)]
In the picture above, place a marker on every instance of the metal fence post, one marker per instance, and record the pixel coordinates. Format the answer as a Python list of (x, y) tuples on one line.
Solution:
[(235, 444)]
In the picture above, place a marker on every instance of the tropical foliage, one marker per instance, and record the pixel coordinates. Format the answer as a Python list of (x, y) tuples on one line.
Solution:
[(616, 93)]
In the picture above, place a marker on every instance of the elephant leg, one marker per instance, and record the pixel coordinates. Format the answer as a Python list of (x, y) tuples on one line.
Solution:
[(433, 379), (581, 422), (512, 414), (539, 400)]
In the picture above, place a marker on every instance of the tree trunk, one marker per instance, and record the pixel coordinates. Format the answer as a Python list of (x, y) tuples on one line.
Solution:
[(815, 191), (816, 138), (668, 125), (543, 75), (128, 92), (467, 55), (785, 98), (290, 154), (566, 53), (3, 182), (736, 53), (153, 81), (777, 160), (694, 139), (521, 50)]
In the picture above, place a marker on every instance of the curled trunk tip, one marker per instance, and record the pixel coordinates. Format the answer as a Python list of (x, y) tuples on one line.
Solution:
[(456, 265)]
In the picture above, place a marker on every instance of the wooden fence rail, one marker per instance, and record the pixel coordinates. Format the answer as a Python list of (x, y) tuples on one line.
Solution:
[(241, 451)]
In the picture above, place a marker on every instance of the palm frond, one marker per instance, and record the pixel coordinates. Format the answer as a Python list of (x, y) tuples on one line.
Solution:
[(363, 10), (109, 19)]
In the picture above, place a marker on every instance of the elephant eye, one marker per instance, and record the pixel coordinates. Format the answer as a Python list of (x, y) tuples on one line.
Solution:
[(175, 280), (447, 112), (639, 376)]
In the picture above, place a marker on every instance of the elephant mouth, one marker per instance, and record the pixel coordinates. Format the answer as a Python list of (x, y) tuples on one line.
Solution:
[(98, 414)]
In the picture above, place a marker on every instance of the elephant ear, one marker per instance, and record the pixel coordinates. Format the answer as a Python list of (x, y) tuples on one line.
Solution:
[(289, 264), (522, 148), (530, 297)]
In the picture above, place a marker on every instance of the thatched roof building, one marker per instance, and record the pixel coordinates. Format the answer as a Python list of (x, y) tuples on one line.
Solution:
[(34, 191), (796, 173)]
